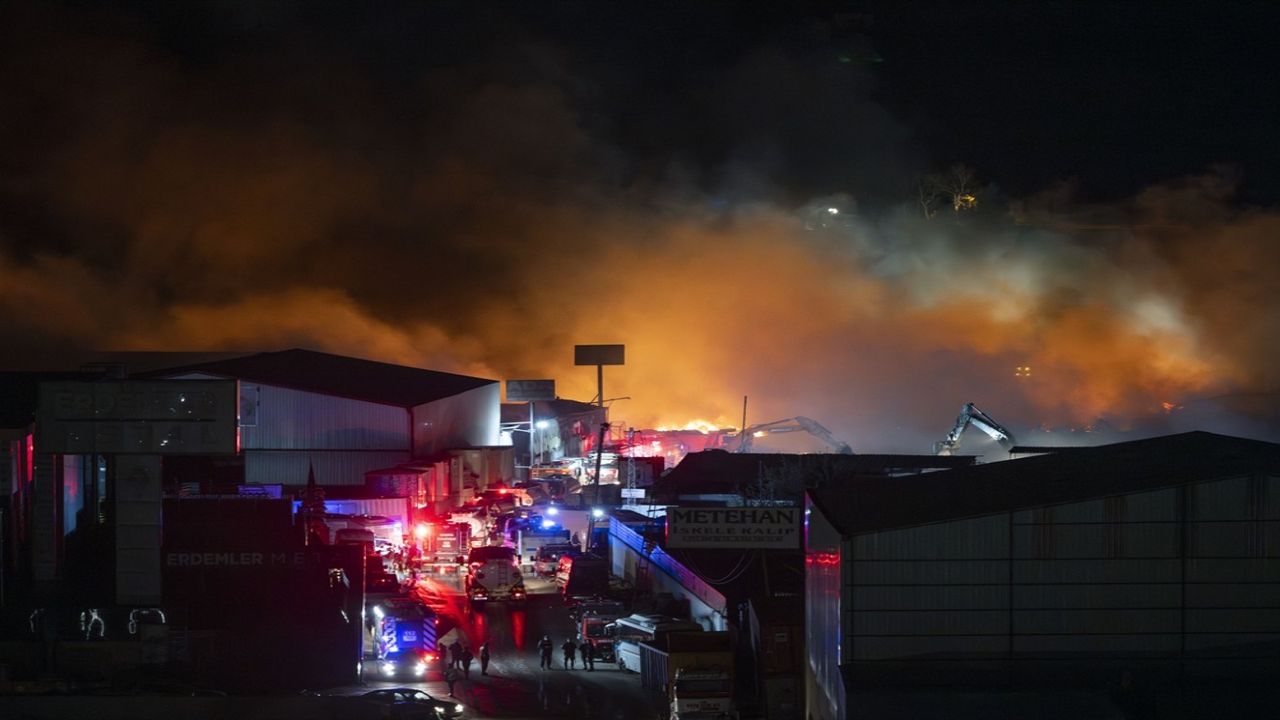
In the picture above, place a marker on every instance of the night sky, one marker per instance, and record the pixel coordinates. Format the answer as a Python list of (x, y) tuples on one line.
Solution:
[(477, 187)]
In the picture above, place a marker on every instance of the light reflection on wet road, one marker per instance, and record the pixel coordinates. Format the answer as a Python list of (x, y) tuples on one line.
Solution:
[(515, 686)]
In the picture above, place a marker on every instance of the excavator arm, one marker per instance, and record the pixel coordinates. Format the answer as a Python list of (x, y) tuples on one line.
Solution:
[(794, 424), (970, 415)]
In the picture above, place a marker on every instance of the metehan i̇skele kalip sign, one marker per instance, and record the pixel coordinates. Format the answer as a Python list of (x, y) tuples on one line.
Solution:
[(777, 528)]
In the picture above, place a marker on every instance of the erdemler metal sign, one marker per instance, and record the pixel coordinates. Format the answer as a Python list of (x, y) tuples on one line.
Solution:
[(777, 528)]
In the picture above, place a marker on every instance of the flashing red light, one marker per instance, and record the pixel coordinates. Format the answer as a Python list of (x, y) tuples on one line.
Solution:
[(502, 491), (422, 531)]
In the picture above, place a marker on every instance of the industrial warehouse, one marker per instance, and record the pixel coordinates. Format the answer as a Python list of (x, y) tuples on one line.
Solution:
[(160, 524)]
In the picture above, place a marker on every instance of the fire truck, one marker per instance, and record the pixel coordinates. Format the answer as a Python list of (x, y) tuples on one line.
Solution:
[(407, 638)]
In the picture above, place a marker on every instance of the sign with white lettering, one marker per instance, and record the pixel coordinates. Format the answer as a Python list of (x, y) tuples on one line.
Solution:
[(726, 528), (633, 493), (234, 559), (146, 417)]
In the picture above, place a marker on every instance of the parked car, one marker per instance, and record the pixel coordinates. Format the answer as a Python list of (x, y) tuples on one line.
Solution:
[(403, 703)]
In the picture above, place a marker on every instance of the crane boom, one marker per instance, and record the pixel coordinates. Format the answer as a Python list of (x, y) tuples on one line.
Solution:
[(813, 427), (970, 415)]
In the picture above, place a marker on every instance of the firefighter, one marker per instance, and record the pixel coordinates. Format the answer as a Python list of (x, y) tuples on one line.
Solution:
[(455, 654), (544, 650), (588, 651), (570, 650), (484, 659)]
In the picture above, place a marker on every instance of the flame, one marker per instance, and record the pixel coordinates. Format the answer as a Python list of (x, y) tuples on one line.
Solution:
[(699, 425)]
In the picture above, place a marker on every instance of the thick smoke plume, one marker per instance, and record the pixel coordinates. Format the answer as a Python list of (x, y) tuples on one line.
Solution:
[(483, 217)]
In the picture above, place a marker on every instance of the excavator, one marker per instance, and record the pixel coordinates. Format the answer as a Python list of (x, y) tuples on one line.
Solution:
[(794, 424), (971, 415)]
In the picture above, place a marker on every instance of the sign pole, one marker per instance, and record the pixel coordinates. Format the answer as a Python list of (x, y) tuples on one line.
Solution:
[(599, 355)]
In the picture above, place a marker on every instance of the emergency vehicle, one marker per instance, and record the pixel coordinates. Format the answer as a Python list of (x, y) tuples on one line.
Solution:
[(493, 573), (407, 638)]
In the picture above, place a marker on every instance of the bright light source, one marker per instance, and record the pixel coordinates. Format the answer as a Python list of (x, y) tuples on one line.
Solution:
[(553, 511), (548, 524), (421, 531), (541, 424), (458, 707), (388, 668), (377, 611), (419, 669), (834, 211), (597, 513)]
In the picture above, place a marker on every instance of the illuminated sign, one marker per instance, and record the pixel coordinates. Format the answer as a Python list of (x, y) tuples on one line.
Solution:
[(147, 417), (777, 528)]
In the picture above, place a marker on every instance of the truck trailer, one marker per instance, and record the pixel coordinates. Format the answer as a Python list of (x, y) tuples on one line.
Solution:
[(702, 693)]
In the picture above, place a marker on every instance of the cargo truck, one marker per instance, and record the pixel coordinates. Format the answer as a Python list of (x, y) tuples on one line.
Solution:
[(702, 693)]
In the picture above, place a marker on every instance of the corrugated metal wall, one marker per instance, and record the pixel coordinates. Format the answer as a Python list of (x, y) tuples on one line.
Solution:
[(826, 628), (469, 419), (396, 509), (1126, 578), (332, 468), (287, 419), (291, 419)]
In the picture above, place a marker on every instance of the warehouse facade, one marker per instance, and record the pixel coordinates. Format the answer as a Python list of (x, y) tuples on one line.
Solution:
[(343, 417), (1156, 560)]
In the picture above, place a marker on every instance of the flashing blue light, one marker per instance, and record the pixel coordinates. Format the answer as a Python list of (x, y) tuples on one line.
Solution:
[(553, 510), (548, 524)]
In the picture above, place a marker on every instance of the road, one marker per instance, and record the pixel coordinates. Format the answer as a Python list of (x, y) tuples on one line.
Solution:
[(515, 687)]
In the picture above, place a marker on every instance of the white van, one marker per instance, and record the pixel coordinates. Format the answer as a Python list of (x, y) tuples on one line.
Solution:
[(632, 630)]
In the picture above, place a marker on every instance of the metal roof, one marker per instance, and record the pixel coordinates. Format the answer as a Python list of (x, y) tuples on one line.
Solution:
[(547, 410), (337, 375), (712, 471), (875, 504)]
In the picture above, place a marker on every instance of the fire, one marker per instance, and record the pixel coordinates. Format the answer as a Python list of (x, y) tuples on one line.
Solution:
[(699, 425)]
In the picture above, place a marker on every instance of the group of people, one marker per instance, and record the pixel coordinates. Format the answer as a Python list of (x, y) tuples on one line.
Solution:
[(587, 649), (458, 662)]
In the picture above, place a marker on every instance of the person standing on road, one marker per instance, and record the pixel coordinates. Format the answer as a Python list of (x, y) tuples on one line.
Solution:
[(484, 659), (455, 654), (450, 677), (569, 649), (466, 662), (544, 649), (588, 651)]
